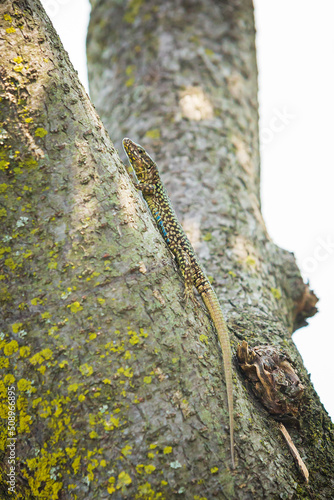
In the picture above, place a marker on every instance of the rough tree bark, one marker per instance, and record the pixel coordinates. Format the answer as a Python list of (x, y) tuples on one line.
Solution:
[(180, 78), (118, 383)]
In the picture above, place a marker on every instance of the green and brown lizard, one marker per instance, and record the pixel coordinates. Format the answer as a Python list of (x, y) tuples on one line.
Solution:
[(152, 188)]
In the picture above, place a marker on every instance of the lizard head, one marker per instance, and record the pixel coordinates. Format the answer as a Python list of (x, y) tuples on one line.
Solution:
[(145, 168)]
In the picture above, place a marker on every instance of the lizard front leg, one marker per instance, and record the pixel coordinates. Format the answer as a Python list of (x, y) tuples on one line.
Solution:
[(145, 188)]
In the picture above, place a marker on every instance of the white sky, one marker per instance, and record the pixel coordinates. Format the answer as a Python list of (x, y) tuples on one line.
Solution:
[(295, 44)]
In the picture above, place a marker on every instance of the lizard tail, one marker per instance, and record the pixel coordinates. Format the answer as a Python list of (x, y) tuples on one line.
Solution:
[(211, 301)]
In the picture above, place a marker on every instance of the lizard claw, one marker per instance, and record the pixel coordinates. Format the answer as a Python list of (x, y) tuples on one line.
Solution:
[(189, 294)]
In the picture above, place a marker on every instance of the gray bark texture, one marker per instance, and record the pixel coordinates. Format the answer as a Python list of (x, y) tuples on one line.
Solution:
[(118, 383)]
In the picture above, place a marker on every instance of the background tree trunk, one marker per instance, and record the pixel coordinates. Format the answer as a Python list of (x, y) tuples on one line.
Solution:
[(180, 78), (118, 383), (74, 291)]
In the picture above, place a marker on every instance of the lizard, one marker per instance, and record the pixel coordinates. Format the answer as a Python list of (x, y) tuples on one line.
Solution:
[(156, 197)]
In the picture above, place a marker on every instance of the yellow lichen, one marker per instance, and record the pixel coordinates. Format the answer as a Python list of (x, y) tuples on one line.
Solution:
[(24, 385), (73, 388), (132, 11), (75, 307), (24, 351), (24, 422), (251, 261), (149, 469), (4, 165), (153, 133), (145, 491), (4, 250), (36, 301), (114, 421), (10, 348), (134, 337), (130, 82), (71, 451), (111, 489), (123, 480), (41, 356), (204, 338), (86, 369), (127, 450), (76, 464), (276, 293), (130, 69), (9, 379), (46, 315), (16, 327), (4, 363), (40, 132), (126, 372)]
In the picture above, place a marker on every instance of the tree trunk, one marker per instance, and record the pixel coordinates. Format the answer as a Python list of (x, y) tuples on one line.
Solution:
[(180, 78), (117, 382)]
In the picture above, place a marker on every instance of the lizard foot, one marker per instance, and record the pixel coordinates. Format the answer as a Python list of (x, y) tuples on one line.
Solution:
[(189, 294)]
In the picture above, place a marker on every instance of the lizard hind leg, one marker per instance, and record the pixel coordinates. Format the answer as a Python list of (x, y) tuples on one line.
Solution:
[(187, 273)]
